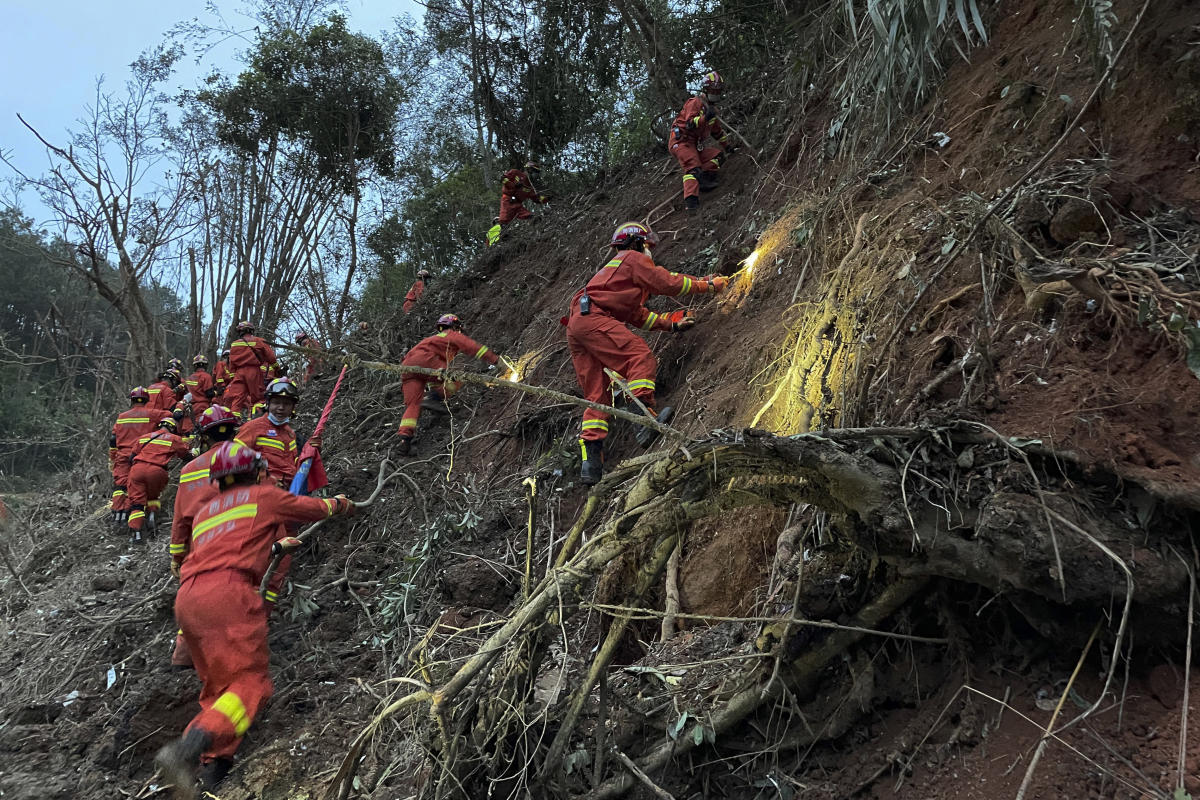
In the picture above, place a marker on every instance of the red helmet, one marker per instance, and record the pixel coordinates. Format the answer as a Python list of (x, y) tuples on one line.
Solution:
[(138, 394), (422, 273), (214, 417), (199, 360), (300, 337), (632, 235), (283, 387), (448, 321), (245, 327), (172, 374), (234, 458), (169, 423), (711, 83), (175, 363)]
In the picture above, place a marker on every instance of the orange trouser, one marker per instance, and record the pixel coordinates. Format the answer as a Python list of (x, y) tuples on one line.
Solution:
[(598, 341), (691, 158), (245, 389), (224, 623), (181, 656), (414, 391), (146, 482), (120, 474), (512, 209)]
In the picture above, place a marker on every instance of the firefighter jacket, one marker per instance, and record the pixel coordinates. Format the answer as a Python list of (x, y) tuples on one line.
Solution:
[(414, 294), (162, 396), (222, 375), (516, 186), (159, 448), (622, 286), (195, 489), (234, 529), (693, 126), (252, 351), (436, 351), (200, 385), (132, 425), (276, 443)]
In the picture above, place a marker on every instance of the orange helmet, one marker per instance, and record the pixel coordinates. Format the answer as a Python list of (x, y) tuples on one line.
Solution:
[(632, 235), (711, 83)]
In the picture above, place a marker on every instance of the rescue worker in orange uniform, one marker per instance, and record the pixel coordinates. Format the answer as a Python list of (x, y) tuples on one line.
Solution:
[(200, 387), (165, 393), (222, 374), (148, 473), (130, 426), (516, 186), (272, 434), (696, 122), (418, 289), (215, 425), (596, 333), (314, 361), (223, 618), (435, 352), (253, 362)]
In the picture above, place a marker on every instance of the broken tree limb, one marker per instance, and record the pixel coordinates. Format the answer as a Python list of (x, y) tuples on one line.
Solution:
[(539, 391)]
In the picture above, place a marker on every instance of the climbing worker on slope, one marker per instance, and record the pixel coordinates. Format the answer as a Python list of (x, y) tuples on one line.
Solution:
[(130, 426), (272, 434), (596, 333), (435, 352), (148, 473), (222, 374), (223, 618), (166, 391), (695, 123), (515, 188), (217, 424), (418, 289), (314, 360), (493, 234), (253, 362), (200, 389)]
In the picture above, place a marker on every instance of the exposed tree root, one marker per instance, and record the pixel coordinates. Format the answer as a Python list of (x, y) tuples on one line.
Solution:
[(945, 520)]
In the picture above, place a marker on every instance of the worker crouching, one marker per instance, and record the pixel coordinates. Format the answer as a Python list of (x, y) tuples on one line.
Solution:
[(426, 391), (223, 619), (598, 339), (148, 474)]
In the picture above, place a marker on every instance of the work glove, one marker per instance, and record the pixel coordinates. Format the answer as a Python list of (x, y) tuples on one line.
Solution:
[(681, 320), (718, 282), (344, 504), (175, 565), (316, 442)]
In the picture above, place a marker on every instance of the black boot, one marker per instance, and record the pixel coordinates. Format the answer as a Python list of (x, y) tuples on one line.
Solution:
[(178, 760), (691, 204), (213, 772), (435, 403), (646, 436), (404, 446), (592, 469)]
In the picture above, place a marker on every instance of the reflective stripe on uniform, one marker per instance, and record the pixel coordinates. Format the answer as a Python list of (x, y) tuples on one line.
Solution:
[(270, 596), (234, 710), (479, 353), (687, 283), (194, 475), (595, 425), (687, 176), (650, 320), (616, 262), (177, 549), (154, 505), (136, 515), (408, 423), (133, 420), (266, 441), (244, 511), (645, 383)]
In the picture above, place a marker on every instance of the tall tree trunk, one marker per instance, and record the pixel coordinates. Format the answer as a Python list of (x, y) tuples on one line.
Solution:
[(665, 78)]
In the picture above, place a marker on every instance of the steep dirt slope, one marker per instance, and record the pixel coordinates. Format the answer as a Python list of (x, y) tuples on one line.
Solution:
[(1050, 327)]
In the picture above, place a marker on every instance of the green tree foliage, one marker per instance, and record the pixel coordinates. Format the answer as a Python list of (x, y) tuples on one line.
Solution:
[(62, 351)]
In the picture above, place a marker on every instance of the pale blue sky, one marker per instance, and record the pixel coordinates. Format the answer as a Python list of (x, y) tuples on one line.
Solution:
[(52, 51)]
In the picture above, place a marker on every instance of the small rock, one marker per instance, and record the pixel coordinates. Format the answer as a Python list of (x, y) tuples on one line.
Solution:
[(1165, 685), (1076, 219), (107, 583)]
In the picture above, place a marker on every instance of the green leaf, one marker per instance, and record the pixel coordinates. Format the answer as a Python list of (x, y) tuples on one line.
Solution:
[(1181, 794), (1176, 322), (698, 735), (677, 728)]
